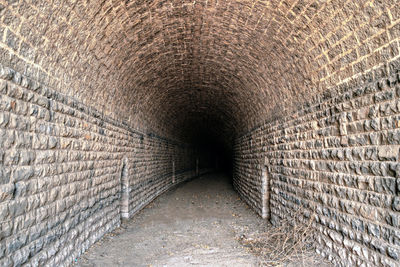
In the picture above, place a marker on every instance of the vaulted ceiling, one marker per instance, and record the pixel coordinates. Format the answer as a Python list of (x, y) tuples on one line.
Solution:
[(182, 67)]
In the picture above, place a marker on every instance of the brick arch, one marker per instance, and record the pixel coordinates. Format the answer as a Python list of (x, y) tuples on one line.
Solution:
[(137, 58), (84, 84)]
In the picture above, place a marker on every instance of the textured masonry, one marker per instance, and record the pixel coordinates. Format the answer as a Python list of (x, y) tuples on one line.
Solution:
[(102, 104), (62, 171), (337, 160)]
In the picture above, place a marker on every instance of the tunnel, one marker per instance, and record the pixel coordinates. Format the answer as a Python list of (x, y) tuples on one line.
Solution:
[(107, 104)]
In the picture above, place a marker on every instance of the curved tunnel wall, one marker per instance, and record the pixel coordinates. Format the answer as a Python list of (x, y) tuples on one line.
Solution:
[(303, 92), (335, 161), (61, 172)]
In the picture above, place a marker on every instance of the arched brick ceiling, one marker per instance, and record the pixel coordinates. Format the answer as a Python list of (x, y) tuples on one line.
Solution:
[(177, 66), (208, 61)]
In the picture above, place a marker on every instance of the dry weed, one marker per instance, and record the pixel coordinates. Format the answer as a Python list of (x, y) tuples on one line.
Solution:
[(289, 244)]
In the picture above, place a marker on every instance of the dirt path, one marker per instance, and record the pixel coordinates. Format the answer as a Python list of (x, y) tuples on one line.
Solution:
[(197, 223)]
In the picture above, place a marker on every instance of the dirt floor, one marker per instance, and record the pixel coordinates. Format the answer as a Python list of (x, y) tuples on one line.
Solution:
[(200, 222)]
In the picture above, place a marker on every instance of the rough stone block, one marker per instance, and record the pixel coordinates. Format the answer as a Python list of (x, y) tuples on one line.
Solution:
[(4, 119), (396, 203), (6, 191), (12, 40), (5, 175), (388, 153), (23, 173)]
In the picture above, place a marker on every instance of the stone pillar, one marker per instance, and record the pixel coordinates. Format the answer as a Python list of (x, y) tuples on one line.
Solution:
[(124, 190), (265, 193), (173, 171)]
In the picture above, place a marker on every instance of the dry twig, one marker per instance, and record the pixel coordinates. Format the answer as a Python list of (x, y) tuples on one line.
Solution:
[(289, 244)]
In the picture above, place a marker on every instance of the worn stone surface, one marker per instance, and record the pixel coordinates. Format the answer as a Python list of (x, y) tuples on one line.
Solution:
[(198, 223), (235, 62), (350, 186), (306, 92), (60, 187)]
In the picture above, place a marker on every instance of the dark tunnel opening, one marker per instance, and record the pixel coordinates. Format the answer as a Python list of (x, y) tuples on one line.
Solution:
[(211, 134), (106, 105), (214, 152)]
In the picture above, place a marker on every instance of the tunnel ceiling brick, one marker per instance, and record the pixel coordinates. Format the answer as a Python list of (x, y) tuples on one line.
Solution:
[(95, 92), (164, 65)]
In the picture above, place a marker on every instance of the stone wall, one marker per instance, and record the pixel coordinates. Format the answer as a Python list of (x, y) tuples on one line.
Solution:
[(61, 170), (248, 167), (336, 159), (177, 69)]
